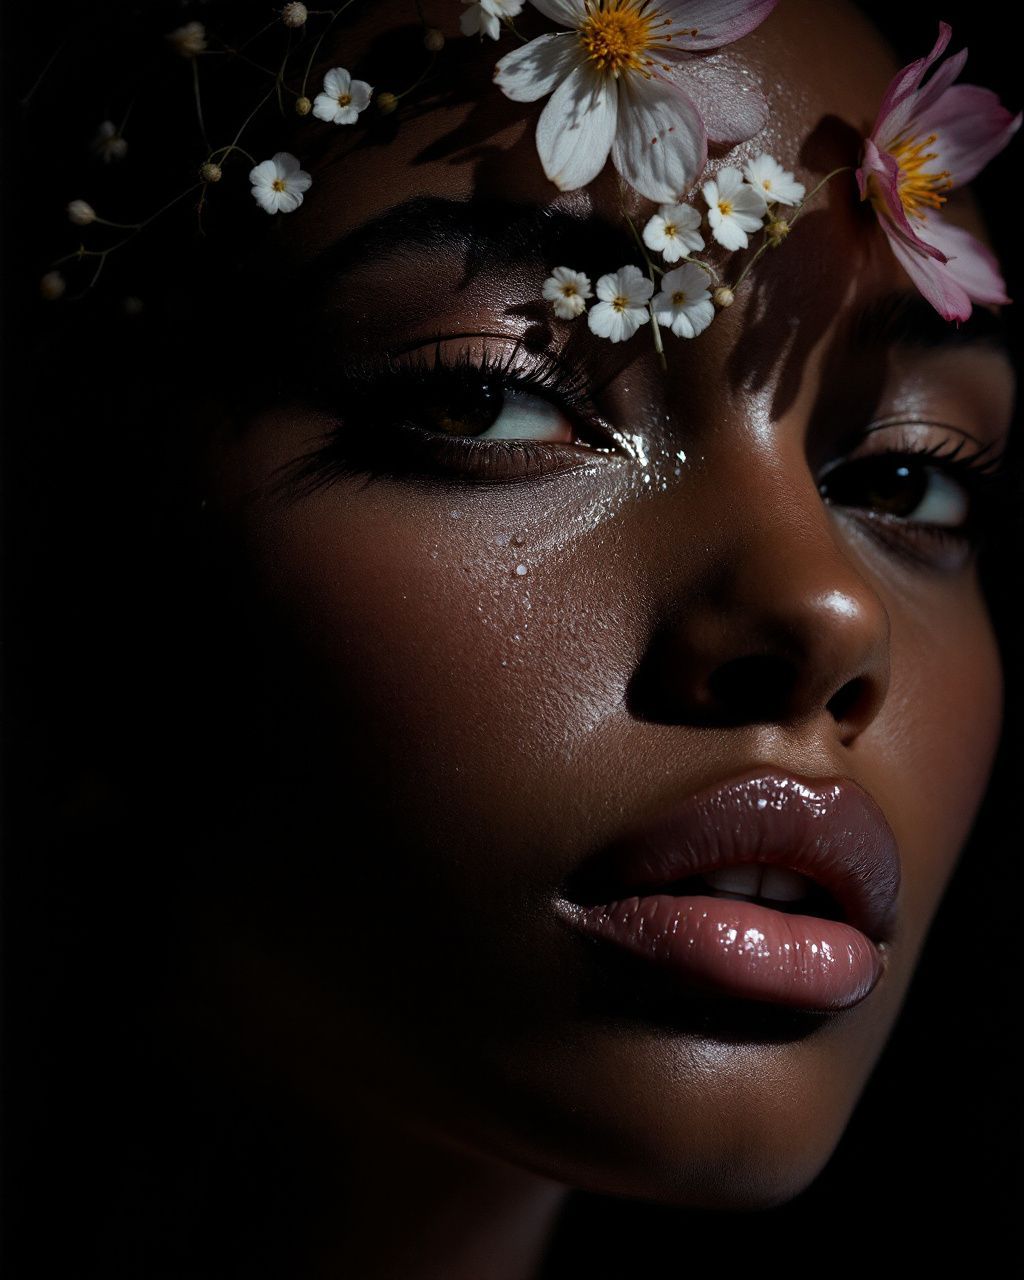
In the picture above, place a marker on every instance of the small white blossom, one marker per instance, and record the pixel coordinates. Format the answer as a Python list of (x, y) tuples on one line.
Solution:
[(342, 99), (188, 40), (567, 291), (484, 16), (81, 213), (776, 184), (294, 15), (278, 184), (673, 232), (622, 309), (684, 304), (734, 208), (52, 286), (108, 143)]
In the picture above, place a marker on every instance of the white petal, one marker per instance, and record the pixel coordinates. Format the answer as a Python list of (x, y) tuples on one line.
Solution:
[(725, 93), (660, 145), (534, 70), (570, 13), (727, 231), (576, 129), (361, 93), (325, 107), (337, 81), (263, 174)]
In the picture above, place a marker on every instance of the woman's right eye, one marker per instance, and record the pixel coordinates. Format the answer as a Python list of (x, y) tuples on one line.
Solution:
[(472, 417)]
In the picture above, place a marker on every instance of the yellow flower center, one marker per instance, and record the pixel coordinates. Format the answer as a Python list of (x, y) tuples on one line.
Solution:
[(344, 99), (616, 35), (621, 303), (569, 290), (279, 184), (678, 298), (670, 230), (725, 208), (919, 186)]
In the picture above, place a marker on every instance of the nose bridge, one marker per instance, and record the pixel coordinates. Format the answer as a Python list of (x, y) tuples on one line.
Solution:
[(773, 618)]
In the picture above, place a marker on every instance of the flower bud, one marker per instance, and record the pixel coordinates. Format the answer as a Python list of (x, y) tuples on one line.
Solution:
[(81, 213), (433, 40), (303, 107), (776, 231), (386, 103), (108, 143), (210, 172), (294, 15), (723, 297), (188, 40), (52, 286), (132, 306)]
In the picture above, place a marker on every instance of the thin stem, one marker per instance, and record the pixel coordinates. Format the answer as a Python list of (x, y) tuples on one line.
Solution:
[(316, 48), (199, 102), (27, 99), (846, 168), (659, 346)]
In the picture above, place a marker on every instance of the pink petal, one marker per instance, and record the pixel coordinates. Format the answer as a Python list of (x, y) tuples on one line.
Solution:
[(883, 168), (569, 13), (972, 125), (906, 82), (660, 145), (532, 71), (934, 280), (716, 22), (970, 263), (726, 95), (576, 129)]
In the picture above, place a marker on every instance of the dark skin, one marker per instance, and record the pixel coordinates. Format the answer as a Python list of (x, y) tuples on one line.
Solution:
[(482, 731)]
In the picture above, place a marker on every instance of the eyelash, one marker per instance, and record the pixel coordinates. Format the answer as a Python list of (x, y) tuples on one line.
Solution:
[(410, 452), (406, 450)]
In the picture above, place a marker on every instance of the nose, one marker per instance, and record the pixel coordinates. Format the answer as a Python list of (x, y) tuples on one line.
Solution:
[(773, 622)]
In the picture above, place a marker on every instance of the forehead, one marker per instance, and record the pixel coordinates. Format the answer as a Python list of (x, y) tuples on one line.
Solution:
[(820, 64)]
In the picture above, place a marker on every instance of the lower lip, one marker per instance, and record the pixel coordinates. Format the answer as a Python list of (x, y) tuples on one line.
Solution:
[(742, 949)]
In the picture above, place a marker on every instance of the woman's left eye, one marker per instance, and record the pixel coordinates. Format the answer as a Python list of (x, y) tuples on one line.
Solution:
[(900, 486)]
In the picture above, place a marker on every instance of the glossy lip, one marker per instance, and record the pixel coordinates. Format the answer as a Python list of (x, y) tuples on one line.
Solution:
[(827, 829)]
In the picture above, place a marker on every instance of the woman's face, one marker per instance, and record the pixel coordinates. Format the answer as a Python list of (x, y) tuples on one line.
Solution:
[(492, 665)]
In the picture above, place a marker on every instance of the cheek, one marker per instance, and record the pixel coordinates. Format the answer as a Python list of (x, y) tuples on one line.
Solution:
[(937, 740)]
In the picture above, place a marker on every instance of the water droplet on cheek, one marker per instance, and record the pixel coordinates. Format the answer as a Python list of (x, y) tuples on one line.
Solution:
[(520, 570)]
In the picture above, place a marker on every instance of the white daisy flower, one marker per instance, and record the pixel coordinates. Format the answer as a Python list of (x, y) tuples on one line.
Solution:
[(684, 304), (627, 81), (278, 184), (567, 291), (622, 309), (776, 184), (484, 16), (734, 208), (342, 99), (673, 232)]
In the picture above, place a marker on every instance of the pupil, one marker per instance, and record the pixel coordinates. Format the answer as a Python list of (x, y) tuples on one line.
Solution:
[(463, 411), (897, 489)]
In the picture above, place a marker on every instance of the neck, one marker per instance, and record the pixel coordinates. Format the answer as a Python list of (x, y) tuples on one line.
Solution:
[(424, 1209)]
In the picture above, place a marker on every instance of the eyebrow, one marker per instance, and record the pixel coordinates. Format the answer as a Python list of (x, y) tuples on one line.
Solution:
[(494, 234), (908, 320)]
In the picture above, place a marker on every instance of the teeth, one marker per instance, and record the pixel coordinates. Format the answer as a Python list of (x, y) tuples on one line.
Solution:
[(745, 878), (756, 880), (780, 885)]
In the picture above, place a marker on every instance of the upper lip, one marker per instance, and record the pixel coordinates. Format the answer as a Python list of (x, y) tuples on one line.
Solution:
[(827, 829)]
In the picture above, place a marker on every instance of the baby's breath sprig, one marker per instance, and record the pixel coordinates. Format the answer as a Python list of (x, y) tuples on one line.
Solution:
[(739, 205)]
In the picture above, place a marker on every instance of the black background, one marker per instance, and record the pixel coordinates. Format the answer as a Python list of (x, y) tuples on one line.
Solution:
[(113, 1166)]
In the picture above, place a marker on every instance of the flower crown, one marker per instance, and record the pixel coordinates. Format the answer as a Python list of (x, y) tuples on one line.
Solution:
[(629, 81)]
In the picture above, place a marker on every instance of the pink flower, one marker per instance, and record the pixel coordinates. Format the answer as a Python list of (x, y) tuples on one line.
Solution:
[(635, 80), (925, 142)]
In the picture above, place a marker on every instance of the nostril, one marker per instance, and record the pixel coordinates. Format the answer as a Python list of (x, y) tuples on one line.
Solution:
[(756, 686), (848, 701)]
